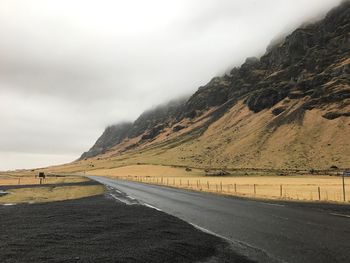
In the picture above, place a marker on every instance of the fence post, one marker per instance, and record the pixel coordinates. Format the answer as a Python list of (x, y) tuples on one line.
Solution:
[(344, 187), (221, 186), (319, 194), (235, 188), (208, 185), (180, 182), (19, 180), (188, 183), (280, 191), (254, 189)]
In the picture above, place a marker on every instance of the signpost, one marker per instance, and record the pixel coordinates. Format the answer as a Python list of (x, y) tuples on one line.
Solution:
[(345, 173)]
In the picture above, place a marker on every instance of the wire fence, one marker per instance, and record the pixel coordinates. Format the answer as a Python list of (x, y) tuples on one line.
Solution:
[(23, 181), (332, 192)]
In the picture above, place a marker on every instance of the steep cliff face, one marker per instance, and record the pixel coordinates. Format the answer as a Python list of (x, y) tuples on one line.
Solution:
[(300, 83), (312, 61), (150, 124), (158, 118), (111, 136)]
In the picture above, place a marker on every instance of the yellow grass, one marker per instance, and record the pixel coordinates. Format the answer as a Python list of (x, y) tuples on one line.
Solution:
[(239, 139), (48, 194), (269, 187), (147, 170), (26, 180)]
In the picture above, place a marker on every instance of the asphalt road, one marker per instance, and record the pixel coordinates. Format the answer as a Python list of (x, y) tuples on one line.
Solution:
[(263, 231)]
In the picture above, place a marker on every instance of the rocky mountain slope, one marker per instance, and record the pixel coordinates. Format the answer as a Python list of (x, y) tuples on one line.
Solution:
[(288, 109)]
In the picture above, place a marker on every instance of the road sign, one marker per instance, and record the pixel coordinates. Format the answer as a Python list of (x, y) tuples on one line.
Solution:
[(346, 173)]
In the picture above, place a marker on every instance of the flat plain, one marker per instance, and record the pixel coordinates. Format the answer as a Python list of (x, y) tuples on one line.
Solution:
[(301, 188)]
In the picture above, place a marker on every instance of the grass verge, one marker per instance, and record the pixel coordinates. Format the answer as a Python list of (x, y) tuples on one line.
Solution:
[(49, 194)]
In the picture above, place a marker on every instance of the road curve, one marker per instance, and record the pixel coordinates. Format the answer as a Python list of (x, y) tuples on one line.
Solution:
[(264, 231)]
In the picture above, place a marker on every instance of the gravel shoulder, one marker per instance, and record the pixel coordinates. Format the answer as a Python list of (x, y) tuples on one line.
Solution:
[(101, 229)]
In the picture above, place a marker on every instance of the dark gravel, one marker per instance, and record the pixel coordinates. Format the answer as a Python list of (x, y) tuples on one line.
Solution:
[(100, 229)]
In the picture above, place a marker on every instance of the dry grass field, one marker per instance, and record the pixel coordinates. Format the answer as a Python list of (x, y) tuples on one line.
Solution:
[(49, 194), (303, 188), (24, 187), (16, 179)]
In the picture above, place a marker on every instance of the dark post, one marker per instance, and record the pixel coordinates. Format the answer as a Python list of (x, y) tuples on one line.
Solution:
[(208, 184), (319, 194), (188, 183), (344, 198), (235, 188), (280, 190), (221, 186), (254, 189)]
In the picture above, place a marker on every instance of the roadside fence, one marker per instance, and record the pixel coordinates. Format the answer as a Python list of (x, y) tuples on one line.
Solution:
[(332, 192)]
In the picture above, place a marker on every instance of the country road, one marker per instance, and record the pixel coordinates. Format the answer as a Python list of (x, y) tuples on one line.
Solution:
[(264, 231)]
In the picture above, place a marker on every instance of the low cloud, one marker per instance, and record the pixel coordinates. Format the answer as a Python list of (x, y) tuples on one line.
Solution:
[(70, 68)]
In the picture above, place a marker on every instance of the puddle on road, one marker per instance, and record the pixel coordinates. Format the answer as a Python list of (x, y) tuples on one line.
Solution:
[(122, 197)]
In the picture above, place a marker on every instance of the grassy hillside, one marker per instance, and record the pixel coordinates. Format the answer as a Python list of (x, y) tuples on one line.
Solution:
[(289, 109)]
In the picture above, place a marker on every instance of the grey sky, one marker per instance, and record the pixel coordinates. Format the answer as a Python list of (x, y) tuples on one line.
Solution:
[(69, 68)]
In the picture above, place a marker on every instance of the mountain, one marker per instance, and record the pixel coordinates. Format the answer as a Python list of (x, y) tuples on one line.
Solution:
[(288, 109), (149, 124)]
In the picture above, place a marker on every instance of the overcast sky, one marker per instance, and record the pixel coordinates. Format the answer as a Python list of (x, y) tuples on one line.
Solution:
[(69, 68)]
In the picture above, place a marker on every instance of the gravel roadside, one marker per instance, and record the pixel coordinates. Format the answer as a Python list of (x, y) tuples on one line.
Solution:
[(101, 229)]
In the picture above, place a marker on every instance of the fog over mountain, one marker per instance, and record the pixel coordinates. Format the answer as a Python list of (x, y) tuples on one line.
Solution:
[(70, 68)]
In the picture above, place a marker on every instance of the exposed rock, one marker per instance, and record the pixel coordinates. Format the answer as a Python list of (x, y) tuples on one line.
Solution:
[(265, 98), (159, 115), (278, 110), (311, 65), (335, 115), (153, 132), (112, 135), (216, 173), (213, 94), (178, 128)]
